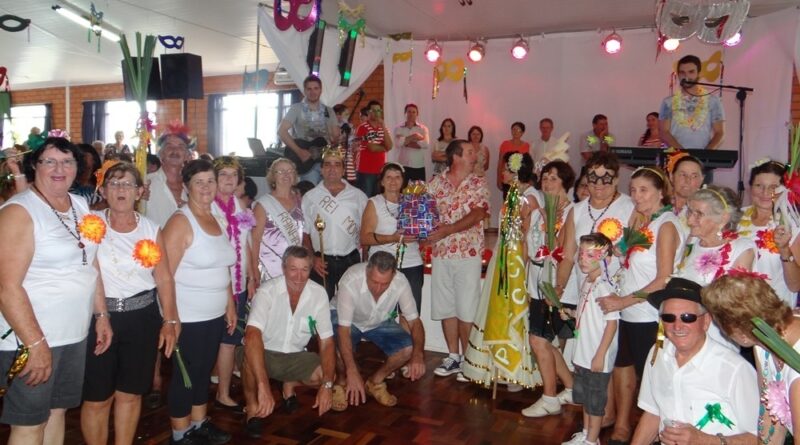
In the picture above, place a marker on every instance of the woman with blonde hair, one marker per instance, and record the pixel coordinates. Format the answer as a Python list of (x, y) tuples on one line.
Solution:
[(734, 300)]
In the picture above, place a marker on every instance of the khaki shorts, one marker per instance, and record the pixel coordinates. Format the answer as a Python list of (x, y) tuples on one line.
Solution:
[(291, 366), (455, 288)]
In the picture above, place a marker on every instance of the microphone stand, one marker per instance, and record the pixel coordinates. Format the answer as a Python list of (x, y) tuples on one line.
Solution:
[(741, 95)]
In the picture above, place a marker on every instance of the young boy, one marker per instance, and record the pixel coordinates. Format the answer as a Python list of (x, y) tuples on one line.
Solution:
[(596, 337)]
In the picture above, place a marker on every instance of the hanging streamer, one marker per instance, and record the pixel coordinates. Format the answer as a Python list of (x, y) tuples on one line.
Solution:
[(171, 42), (350, 20), (293, 19), (95, 19), (466, 98), (20, 23), (435, 82)]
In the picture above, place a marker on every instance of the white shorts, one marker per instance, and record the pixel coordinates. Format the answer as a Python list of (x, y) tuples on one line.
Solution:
[(455, 288)]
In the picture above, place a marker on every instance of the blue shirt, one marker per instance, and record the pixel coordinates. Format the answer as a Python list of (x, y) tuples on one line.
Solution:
[(687, 136)]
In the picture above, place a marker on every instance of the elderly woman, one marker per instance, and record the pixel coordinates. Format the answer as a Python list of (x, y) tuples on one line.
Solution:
[(644, 270), (447, 132), (686, 174), (135, 273), (734, 300), (776, 243), (556, 179), (715, 247), (475, 135), (237, 223), (200, 258), (279, 219), (49, 288)]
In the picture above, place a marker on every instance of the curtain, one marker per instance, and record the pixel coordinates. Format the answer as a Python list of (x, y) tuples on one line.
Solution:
[(291, 48), (93, 126), (214, 128), (48, 118)]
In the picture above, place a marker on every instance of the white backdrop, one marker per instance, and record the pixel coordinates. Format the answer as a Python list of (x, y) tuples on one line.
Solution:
[(569, 78)]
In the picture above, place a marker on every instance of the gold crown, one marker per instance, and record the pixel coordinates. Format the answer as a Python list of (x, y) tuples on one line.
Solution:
[(332, 150)]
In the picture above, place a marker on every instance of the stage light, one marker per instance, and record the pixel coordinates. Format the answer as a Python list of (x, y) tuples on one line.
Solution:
[(520, 49), (612, 44), (476, 52), (735, 40), (433, 51), (76, 15), (671, 45)]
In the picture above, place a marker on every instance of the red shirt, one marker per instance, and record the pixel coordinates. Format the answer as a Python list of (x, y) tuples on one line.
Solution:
[(508, 146), (369, 161)]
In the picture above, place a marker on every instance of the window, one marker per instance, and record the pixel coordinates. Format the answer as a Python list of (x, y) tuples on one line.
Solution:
[(123, 116), (238, 120), (23, 118)]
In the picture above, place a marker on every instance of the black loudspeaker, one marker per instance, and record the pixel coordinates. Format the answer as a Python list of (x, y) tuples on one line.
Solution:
[(153, 88), (182, 76)]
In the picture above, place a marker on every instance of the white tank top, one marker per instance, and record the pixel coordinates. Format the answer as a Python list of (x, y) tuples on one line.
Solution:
[(614, 219), (123, 275), (643, 268), (203, 275), (386, 213), (59, 287)]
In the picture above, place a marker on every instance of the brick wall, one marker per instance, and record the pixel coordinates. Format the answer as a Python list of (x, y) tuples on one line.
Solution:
[(168, 110)]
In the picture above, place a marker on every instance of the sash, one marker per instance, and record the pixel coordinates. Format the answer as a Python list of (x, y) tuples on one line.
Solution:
[(282, 219), (336, 216)]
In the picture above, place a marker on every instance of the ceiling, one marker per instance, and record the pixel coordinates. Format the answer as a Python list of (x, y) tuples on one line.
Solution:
[(55, 51)]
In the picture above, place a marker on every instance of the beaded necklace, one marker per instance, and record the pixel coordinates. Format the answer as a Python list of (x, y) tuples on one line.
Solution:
[(594, 220), (76, 234)]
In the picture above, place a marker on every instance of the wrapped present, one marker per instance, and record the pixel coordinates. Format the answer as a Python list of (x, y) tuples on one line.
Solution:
[(417, 216)]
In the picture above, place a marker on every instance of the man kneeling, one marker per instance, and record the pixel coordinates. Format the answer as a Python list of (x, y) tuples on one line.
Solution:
[(365, 306), (285, 313)]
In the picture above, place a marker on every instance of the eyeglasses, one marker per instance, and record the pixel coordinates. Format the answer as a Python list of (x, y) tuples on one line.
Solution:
[(284, 171), (685, 318), (122, 185), (606, 179), (52, 163)]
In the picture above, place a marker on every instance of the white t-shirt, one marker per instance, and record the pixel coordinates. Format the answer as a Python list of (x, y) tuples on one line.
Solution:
[(703, 264), (714, 375), (586, 221), (643, 268), (123, 276), (244, 241), (341, 213), (283, 330), (410, 156), (356, 306), (161, 204), (536, 237), (386, 213), (590, 324), (59, 286), (203, 276)]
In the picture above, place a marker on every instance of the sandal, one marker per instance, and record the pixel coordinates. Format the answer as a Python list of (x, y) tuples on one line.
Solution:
[(338, 399), (381, 395)]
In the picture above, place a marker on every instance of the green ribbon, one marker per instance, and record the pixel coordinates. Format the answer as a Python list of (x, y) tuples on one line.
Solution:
[(714, 413), (312, 325), (392, 315)]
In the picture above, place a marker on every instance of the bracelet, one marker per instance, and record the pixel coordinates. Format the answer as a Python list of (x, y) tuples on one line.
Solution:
[(19, 176), (173, 322), (99, 315), (375, 235), (36, 343)]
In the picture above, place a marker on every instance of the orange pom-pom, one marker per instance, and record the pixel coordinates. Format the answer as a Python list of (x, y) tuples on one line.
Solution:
[(93, 228), (611, 228), (147, 253)]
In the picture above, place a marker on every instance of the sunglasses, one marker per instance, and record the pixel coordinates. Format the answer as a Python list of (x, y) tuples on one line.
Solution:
[(685, 318)]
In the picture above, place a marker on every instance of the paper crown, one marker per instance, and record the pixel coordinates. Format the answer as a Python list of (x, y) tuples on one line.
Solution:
[(332, 151)]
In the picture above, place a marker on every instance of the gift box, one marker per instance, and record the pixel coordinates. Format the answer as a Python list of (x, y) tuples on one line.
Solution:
[(417, 216)]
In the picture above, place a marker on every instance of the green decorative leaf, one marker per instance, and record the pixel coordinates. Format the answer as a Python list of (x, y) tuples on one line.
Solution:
[(773, 341)]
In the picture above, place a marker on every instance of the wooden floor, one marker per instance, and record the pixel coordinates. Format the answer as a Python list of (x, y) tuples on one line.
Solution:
[(434, 410)]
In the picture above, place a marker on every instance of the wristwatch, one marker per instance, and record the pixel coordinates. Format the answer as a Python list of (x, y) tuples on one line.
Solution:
[(788, 260), (327, 385)]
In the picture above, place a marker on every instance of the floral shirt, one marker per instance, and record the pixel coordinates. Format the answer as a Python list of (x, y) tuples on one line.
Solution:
[(705, 264), (454, 202)]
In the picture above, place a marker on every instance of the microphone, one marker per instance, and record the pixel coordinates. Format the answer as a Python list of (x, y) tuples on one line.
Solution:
[(687, 83)]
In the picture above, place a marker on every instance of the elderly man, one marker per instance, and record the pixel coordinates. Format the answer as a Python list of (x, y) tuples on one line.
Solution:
[(463, 203), (366, 307), (286, 312), (313, 125), (694, 390), (338, 206), (166, 185)]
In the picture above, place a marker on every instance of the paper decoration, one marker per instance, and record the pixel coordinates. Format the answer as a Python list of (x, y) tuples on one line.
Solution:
[(417, 216), (255, 81), (711, 22), (401, 57), (451, 70), (351, 19), (96, 19), (17, 23), (293, 19), (171, 42)]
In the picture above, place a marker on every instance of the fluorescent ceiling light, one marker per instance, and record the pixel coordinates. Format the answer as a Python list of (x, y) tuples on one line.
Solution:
[(76, 15)]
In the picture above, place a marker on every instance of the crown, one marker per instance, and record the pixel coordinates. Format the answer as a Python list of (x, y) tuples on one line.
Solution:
[(332, 150)]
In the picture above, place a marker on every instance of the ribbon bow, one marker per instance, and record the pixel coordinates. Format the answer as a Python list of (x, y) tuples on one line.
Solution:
[(312, 325), (392, 315), (714, 413), (543, 252)]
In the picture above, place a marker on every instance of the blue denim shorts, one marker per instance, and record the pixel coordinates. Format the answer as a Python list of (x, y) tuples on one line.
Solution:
[(388, 336)]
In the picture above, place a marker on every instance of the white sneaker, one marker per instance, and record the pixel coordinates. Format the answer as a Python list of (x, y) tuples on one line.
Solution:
[(448, 367), (540, 408), (460, 377), (565, 397), (214, 379), (578, 438), (513, 387)]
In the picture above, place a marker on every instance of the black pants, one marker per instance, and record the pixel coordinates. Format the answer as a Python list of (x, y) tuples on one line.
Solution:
[(415, 174), (336, 267), (415, 276), (367, 183), (199, 344)]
